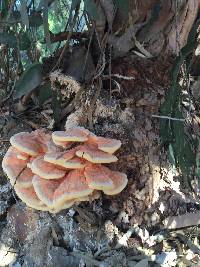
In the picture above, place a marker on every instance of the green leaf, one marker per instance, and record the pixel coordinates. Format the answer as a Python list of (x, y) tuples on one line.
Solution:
[(179, 140), (8, 39), (29, 80), (11, 40), (24, 41), (171, 155), (44, 92), (35, 20), (24, 14), (75, 3), (197, 170), (142, 263), (40, 5), (123, 6), (91, 8), (14, 18), (182, 150), (4, 8), (46, 25)]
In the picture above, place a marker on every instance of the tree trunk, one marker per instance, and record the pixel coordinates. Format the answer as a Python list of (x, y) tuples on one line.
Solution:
[(160, 26), (128, 106)]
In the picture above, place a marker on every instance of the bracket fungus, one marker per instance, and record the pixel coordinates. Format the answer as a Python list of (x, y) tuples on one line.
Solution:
[(53, 171)]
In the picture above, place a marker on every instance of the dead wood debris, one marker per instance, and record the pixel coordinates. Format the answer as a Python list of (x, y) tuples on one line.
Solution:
[(181, 221)]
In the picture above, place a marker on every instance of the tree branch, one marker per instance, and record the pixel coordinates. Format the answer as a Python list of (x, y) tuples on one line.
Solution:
[(61, 36)]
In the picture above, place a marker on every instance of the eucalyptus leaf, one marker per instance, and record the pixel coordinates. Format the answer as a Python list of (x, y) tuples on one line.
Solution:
[(91, 8), (123, 6), (197, 170), (29, 80), (11, 40), (8, 39), (4, 8), (35, 20), (142, 263), (24, 14), (182, 148), (75, 3), (44, 92), (14, 18), (24, 41), (171, 155), (40, 5), (46, 25)]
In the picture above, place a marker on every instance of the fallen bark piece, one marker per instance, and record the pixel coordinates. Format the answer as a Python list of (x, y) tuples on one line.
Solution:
[(181, 221)]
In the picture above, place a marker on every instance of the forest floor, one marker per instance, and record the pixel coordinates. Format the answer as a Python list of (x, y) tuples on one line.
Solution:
[(153, 222)]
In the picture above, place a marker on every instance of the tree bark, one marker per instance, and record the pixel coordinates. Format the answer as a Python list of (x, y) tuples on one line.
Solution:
[(158, 30), (160, 26)]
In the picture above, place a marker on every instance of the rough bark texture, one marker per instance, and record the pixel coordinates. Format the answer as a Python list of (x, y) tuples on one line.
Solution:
[(125, 113), (161, 26)]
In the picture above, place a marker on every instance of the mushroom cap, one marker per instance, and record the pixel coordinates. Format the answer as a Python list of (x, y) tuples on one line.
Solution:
[(108, 145), (73, 186), (24, 180), (43, 138), (69, 203), (11, 164), (29, 196), (120, 181), (61, 143), (22, 156), (94, 195), (75, 134), (45, 169), (45, 189), (36, 207), (75, 163), (25, 142), (52, 147), (98, 177), (65, 159), (95, 156)]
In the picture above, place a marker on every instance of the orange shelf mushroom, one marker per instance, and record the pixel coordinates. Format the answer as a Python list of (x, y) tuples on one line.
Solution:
[(53, 171)]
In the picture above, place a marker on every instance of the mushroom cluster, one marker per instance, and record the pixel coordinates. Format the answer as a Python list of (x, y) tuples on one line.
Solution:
[(53, 171)]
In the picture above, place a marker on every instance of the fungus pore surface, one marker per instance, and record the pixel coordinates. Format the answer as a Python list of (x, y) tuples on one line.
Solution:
[(52, 171)]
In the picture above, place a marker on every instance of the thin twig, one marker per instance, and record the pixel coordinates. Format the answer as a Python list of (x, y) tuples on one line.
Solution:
[(93, 103), (87, 53), (9, 95), (128, 78), (16, 75), (167, 118), (10, 10)]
